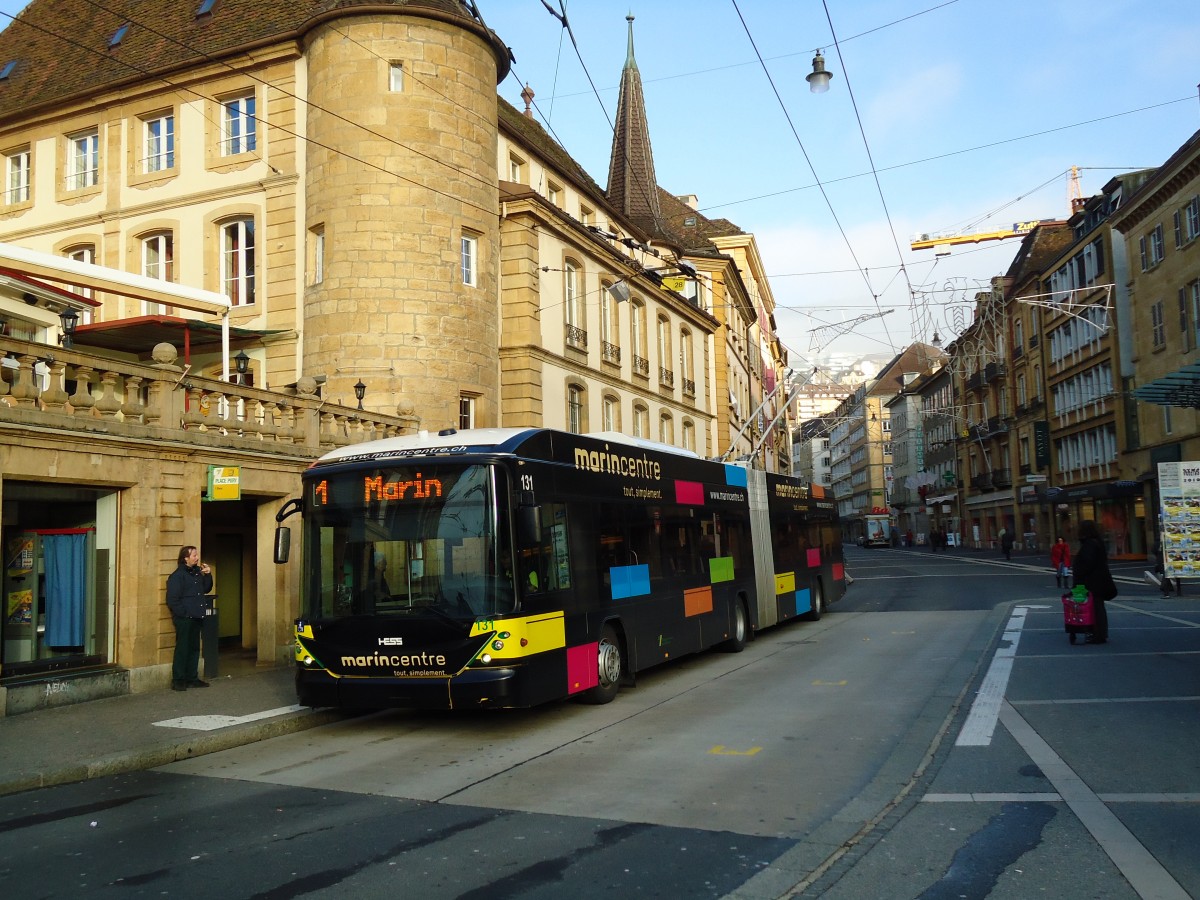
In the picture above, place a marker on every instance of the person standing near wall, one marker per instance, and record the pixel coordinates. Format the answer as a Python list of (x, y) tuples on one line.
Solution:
[(1091, 570), (186, 589)]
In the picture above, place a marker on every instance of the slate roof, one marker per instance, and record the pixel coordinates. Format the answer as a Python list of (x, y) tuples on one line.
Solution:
[(62, 53)]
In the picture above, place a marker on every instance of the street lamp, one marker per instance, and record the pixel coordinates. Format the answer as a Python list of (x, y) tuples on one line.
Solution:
[(818, 80), (360, 391), (242, 363), (69, 319)]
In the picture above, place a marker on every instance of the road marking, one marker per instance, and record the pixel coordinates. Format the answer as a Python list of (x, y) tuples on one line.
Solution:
[(213, 722), (720, 750), (1184, 699), (981, 721), (1054, 797), (820, 683), (1143, 872)]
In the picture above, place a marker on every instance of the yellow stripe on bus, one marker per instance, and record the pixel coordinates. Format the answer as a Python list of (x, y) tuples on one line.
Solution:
[(526, 635), (785, 583)]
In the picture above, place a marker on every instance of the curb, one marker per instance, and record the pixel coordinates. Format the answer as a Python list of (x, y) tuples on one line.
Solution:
[(171, 750)]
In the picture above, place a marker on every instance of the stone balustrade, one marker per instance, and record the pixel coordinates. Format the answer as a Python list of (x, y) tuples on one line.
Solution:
[(77, 390)]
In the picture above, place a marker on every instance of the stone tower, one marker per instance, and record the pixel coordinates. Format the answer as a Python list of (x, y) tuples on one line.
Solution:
[(401, 167)]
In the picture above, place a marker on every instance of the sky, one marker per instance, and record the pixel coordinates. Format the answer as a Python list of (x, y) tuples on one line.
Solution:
[(963, 115), (942, 115)]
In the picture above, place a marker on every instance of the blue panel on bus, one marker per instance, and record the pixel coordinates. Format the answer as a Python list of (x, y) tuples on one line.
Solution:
[(629, 581), (735, 476), (803, 601)]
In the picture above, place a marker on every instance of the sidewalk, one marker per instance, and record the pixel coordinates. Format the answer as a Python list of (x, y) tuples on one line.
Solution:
[(127, 733)]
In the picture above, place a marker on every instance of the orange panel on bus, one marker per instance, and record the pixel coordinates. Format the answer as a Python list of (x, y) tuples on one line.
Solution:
[(697, 601)]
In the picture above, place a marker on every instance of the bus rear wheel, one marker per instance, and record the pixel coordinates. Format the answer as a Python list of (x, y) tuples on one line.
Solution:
[(609, 668), (741, 629), (818, 604)]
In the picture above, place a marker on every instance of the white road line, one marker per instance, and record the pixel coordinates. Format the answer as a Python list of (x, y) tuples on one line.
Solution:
[(1053, 797), (213, 722), (1082, 700), (981, 721), (1143, 872)]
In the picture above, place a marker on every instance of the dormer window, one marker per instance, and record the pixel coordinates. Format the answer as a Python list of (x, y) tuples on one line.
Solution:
[(205, 8), (8, 69), (118, 36)]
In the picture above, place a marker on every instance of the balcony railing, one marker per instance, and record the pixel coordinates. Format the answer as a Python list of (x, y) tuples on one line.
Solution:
[(576, 337), (982, 482), (610, 353), (75, 391), (975, 381), (641, 366), (995, 370), (666, 378), (689, 387), (1001, 478)]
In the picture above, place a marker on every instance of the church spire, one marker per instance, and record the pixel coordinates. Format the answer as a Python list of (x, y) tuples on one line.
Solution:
[(632, 186)]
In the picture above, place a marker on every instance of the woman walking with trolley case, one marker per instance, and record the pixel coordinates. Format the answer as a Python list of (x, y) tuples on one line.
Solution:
[(1091, 571)]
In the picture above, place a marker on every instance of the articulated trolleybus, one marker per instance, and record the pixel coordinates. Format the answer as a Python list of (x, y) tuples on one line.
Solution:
[(511, 567)]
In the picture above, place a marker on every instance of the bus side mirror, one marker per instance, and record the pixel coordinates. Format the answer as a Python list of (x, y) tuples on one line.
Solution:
[(529, 526), (283, 543)]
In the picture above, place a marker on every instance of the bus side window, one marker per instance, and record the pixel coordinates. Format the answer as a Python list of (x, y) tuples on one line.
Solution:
[(547, 566)]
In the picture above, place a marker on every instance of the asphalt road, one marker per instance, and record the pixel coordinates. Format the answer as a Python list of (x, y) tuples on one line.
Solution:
[(828, 759)]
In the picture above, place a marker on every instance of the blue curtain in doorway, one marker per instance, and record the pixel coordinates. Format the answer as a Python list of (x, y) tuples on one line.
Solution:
[(65, 615)]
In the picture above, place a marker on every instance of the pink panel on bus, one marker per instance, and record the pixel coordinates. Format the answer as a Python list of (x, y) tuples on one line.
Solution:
[(839, 572), (582, 669), (690, 492), (814, 557)]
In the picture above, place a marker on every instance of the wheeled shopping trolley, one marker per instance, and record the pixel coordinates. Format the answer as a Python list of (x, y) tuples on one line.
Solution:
[(1079, 614)]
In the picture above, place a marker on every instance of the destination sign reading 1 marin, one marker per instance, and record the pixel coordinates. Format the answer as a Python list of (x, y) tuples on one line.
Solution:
[(376, 489)]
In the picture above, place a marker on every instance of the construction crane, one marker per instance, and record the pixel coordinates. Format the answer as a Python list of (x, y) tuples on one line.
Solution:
[(1018, 229)]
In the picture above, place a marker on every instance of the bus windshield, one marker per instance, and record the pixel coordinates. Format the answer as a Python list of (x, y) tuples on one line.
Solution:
[(408, 540)]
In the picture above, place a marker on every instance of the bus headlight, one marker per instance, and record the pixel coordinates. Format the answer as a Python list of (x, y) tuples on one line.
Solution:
[(308, 660), (486, 658), (497, 646)]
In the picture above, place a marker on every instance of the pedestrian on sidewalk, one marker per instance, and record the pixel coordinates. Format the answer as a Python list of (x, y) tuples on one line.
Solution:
[(186, 589), (1060, 560), (1091, 570), (1160, 570), (1006, 543)]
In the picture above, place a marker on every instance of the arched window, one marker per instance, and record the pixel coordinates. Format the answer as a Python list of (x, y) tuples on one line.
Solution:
[(576, 333), (158, 262), (612, 413), (689, 436), (641, 420), (576, 410), (84, 253), (637, 331), (666, 429), (686, 370), (238, 260)]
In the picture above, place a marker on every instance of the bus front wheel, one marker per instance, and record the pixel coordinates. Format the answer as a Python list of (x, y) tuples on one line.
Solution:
[(609, 668)]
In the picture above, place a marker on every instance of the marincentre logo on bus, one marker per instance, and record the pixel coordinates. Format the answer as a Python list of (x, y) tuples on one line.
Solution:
[(791, 491), (610, 463), (401, 663)]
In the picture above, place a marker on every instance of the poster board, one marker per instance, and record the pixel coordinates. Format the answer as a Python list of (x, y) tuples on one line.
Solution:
[(1179, 518)]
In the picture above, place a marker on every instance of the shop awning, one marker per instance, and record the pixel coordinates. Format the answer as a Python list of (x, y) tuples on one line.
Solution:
[(1181, 388), (940, 498), (138, 335)]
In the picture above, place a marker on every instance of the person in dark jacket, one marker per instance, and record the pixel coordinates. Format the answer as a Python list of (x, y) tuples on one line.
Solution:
[(186, 587), (1091, 570), (1006, 543)]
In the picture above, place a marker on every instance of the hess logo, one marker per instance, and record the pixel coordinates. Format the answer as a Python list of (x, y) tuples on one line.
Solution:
[(391, 642)]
